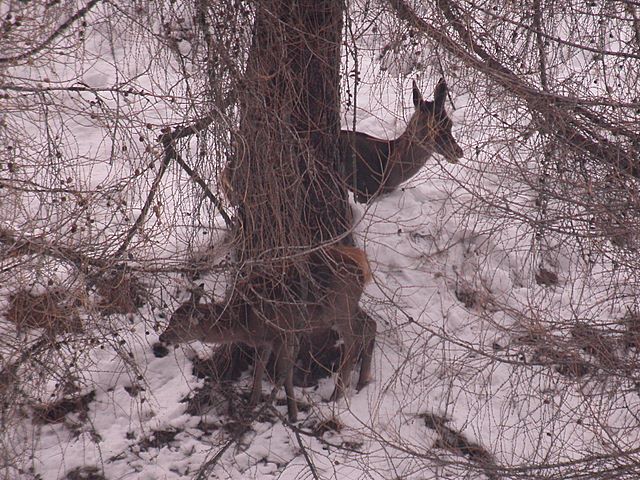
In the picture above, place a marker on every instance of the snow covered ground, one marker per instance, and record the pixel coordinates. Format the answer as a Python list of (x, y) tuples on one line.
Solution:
[(446, 298)]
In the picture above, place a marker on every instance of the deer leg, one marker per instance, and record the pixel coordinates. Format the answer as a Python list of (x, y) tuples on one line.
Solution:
[(351, 348), (262, 357), (285, 361), (303, 362), (369, 329)]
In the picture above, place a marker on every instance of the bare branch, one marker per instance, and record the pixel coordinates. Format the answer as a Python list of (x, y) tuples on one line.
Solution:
[(554, 109), (66, 24), (168, 140)]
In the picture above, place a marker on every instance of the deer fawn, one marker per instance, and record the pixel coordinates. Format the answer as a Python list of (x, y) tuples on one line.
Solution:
[(272, 327), (375, 166)]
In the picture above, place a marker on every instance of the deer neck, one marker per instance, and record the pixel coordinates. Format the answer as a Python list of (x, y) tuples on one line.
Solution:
[(406, 158), (236, 324)]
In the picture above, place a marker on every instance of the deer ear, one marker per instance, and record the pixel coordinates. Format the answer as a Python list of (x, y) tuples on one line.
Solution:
[(440, 95), (417, 96), (196, 294)]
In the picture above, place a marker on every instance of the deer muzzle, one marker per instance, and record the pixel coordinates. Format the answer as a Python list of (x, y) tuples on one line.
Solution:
[(454, 153), (165, 338)]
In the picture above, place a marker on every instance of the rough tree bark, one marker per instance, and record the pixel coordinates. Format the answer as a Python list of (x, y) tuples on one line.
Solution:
[(287, 150)]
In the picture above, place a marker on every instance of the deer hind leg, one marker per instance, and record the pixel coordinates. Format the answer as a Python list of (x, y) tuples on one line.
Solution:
[(286, 354), (352, 345), (369, 329), (262, 357)]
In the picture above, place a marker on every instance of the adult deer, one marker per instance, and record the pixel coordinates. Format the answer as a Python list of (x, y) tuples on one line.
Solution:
[(275, 327), (375, 166)]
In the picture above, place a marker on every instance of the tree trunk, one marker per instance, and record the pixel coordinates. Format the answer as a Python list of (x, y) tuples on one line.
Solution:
[(287, 147), (283, 179)]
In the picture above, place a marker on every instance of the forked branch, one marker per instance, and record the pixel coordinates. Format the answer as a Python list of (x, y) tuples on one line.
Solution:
[(168, 140)]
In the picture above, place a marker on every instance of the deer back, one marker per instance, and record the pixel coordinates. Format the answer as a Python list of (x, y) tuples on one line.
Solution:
[(381, 165)]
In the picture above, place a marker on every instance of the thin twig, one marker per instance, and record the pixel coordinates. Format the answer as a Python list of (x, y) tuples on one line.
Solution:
[(76, 16), (303, 449), (169, 152), (168, 140), (24, 245), (9, 373), (206, 467), (205, 188)]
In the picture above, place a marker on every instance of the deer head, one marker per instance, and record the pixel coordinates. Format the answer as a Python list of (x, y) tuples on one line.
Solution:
[(431, 126), (207, 322)]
